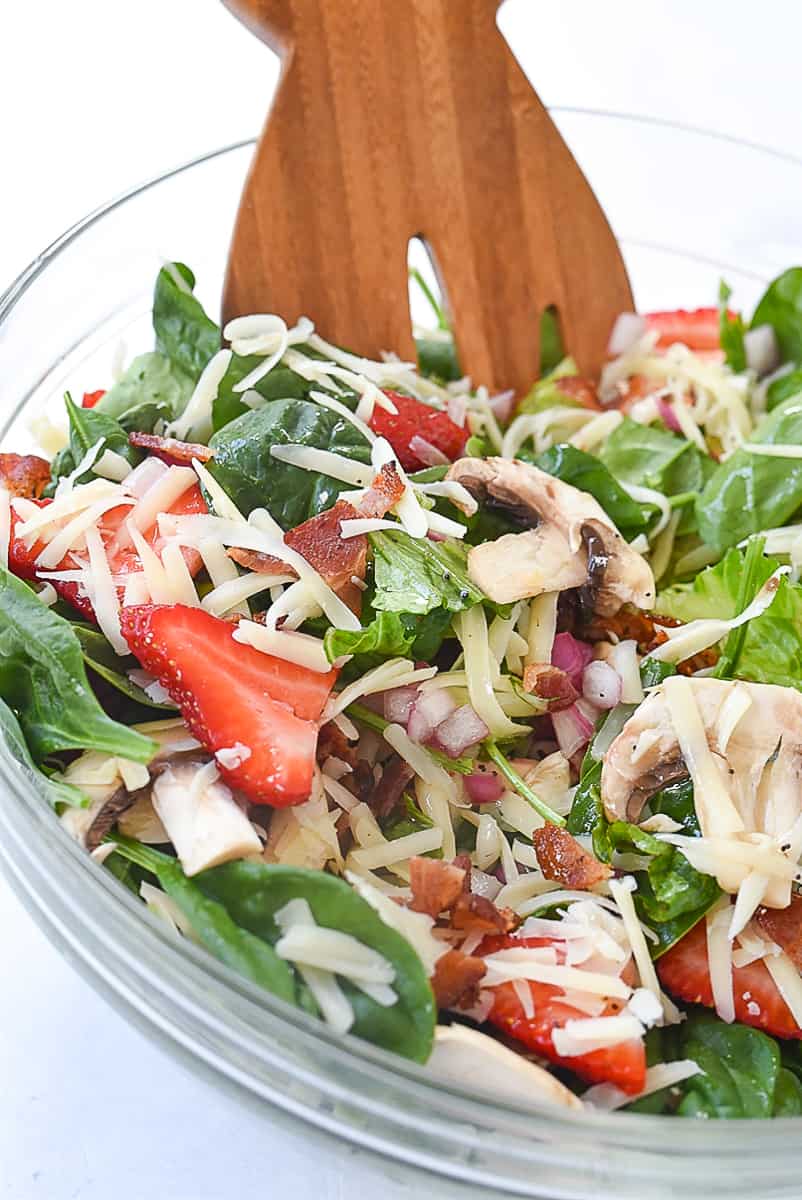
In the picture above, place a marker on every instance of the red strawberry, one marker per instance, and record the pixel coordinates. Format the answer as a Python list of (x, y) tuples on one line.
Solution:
[(684, 972), (421, 420), (623, 1065), (697, 329), (92, 398), (230, 693), (122, 561)]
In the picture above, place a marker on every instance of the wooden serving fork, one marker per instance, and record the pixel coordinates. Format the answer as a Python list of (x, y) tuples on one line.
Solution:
[(402, 118)]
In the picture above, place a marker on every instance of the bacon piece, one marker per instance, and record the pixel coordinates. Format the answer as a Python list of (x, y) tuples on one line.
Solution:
[(170, 450), (24, 474), (642, 628), (385, 491), (784, 926), (339, 560), (436, 885), (264, 564), (477, 914), (578, 388), (455, 975), (332, 743), (550, 683), (384, 796), (562, 859)]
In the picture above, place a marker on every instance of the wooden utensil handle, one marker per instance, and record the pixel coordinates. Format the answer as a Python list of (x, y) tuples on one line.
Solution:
[(403, 118)]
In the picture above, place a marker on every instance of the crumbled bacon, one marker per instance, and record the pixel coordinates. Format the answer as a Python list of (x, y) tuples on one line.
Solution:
[(24, 474), (635, 625), (455, 975), (332, 743), (170, 450), (784, 926), (578, 388), (563, 860), (550, 683), (339, 560), (436, 885), (255, 560), (385, 794), (477, 914), (385, 491)]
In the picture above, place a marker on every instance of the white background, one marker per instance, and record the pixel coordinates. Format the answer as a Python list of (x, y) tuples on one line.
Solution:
[(96, 96)]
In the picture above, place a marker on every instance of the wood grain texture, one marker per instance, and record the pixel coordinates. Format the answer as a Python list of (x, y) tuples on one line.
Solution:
[(402, 118)]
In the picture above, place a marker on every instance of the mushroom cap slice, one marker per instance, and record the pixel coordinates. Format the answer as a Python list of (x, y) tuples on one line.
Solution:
[(750, 728), (467, 1058), (576, 541)]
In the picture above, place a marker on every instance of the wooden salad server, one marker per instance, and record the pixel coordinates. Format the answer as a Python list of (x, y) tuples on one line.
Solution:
[(403, 118)]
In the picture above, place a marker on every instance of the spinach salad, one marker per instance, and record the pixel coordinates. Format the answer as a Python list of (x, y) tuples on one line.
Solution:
[(469, 724)]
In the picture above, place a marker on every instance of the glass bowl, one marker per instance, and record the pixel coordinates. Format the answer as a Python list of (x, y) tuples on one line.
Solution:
[(688, 208)]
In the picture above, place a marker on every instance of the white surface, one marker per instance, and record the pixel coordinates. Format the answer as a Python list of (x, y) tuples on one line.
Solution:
[(96, 96)]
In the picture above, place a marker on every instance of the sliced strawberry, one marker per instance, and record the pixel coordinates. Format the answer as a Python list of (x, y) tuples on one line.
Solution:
[(684, 972), (122, 560), (697, 329), (231, 694), (22, 562), (415, 419), (92, 398), (623, 1065)]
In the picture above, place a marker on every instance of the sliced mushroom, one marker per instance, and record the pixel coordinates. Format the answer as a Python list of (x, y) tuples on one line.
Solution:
[(570, 542), (472, 1060), (754, 732)]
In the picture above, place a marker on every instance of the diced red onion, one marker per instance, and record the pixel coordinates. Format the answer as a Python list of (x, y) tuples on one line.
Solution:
[(143, 477), (571, 656), (762, 350), (572, 729), (601, 684), (483, 787), (429, 710), (457, 409), (502, 405), (429, 455), (483, 884), (668, 416), (627, 329), (398, 704), (462, 729)]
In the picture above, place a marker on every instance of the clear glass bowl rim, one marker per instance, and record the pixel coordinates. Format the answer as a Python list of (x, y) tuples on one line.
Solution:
[(111, 937)]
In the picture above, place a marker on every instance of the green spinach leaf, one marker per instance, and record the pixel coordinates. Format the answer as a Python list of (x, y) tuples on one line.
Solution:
[(752, 492), (152, 387), (53, 789), (252, 893), (781, 307), (387, 636), (42, 679), (87, 427), (783, 388), (244, 467), (589, 474), (184, 333), (102, 659), (743, 1075), (226, 939), (281, 383)]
